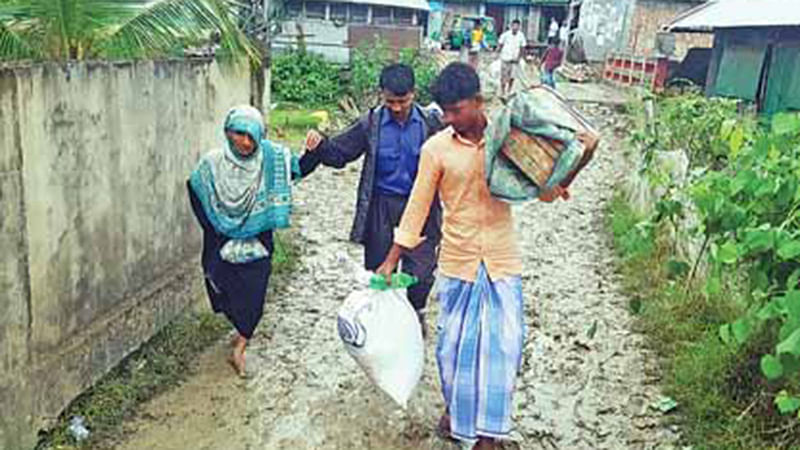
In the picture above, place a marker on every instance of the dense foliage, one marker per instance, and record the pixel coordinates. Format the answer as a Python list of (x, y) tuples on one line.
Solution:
[(743, 187), (368, 60), (304, 77), (111, 29)]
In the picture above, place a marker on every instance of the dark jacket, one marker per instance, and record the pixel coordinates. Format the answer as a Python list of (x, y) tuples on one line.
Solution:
[(362, 138)]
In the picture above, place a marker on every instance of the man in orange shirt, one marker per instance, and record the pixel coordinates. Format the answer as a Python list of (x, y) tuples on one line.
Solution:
[(481, 323)]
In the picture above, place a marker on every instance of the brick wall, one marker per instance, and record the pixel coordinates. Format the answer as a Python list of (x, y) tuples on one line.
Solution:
[(651, 15)]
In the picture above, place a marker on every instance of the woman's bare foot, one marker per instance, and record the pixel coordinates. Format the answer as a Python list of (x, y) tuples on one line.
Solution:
[(236, 359)]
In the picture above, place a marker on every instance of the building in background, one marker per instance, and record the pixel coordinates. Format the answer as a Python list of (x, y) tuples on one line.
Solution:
[(334, 29), (756, 52), (534, 15), (605, 27)]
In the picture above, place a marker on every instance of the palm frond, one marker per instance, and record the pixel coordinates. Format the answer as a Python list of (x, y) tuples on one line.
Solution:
[(13, 46), (161, 26), (59, 29), (15, 42)]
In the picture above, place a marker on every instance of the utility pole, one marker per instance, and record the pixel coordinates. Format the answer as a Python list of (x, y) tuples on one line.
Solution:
[(266, 73), (571, 5), (253, 20)]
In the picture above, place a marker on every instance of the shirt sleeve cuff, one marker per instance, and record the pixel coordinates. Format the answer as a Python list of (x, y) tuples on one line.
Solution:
[(406, 239)]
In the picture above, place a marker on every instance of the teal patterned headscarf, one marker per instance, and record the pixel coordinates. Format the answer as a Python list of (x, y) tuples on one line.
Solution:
[(244, 196)]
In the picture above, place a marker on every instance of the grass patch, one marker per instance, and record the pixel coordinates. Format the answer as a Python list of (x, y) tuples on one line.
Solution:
[(724, 401), (296, 118), (160, 364), (287, 254), (288, 124)]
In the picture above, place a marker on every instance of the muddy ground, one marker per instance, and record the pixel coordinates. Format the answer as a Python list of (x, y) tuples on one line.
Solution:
[(587, 381)]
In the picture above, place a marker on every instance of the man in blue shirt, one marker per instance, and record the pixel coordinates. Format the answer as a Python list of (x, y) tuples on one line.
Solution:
[(401, 135), (390, 137)]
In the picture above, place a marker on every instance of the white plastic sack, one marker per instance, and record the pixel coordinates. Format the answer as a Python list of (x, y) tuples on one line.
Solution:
[(380, 330), (490, 79)]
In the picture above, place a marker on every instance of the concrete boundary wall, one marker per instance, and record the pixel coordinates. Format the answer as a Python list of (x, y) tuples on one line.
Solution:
[(98, 247)]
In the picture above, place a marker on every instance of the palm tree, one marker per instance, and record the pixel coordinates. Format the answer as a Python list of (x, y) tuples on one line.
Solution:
[(116, 29)]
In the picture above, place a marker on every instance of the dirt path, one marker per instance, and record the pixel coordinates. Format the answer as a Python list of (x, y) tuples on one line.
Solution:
[(576, 392)]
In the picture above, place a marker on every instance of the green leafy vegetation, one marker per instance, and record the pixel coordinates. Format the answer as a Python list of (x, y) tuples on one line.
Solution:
[(114, 29), (369, 60), (305, 78), (728, 319)]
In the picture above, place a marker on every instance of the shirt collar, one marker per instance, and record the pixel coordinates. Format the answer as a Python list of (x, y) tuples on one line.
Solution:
[(414, 117), (466, 141)]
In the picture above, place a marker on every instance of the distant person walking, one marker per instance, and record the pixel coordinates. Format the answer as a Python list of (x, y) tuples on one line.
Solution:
[(552, 32), (563, 34), (476, 42), (511, 44), (550, 62)]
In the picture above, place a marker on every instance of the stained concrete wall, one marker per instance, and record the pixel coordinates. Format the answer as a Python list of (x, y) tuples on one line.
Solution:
[(99, 248), (604, 26), (608, 26), (651, 16)]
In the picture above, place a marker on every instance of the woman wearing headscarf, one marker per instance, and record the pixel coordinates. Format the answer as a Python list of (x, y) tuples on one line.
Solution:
[(240, 193)]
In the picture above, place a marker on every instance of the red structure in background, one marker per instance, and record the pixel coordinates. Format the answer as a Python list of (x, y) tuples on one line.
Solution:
[(631, 70)]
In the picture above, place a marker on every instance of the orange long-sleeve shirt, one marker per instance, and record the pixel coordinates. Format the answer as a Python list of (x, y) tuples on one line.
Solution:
[(476, 226)]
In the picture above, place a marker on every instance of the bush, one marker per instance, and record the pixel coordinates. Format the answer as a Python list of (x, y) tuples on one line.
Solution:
[(744, 191), (691, 123), (306, 78), (369, 59), (365, 69), (425, 71)]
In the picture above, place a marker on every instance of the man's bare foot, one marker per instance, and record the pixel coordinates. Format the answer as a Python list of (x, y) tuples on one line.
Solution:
[(236, 358), (443, 427), (485, 444)]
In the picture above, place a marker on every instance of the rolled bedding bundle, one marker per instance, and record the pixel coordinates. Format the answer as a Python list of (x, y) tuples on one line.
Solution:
[(531, 145)]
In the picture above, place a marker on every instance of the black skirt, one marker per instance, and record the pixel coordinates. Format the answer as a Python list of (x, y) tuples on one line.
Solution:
[(235, 290)]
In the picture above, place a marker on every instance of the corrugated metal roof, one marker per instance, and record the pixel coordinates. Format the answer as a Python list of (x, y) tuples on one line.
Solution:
[(738, 13)]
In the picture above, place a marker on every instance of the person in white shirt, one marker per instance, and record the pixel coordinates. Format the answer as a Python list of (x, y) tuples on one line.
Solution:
[(510, 45), (563, 34), (553, 31)]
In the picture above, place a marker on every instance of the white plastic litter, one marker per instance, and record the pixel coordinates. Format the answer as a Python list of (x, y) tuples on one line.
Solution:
[(380, 330), (77, 429)]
